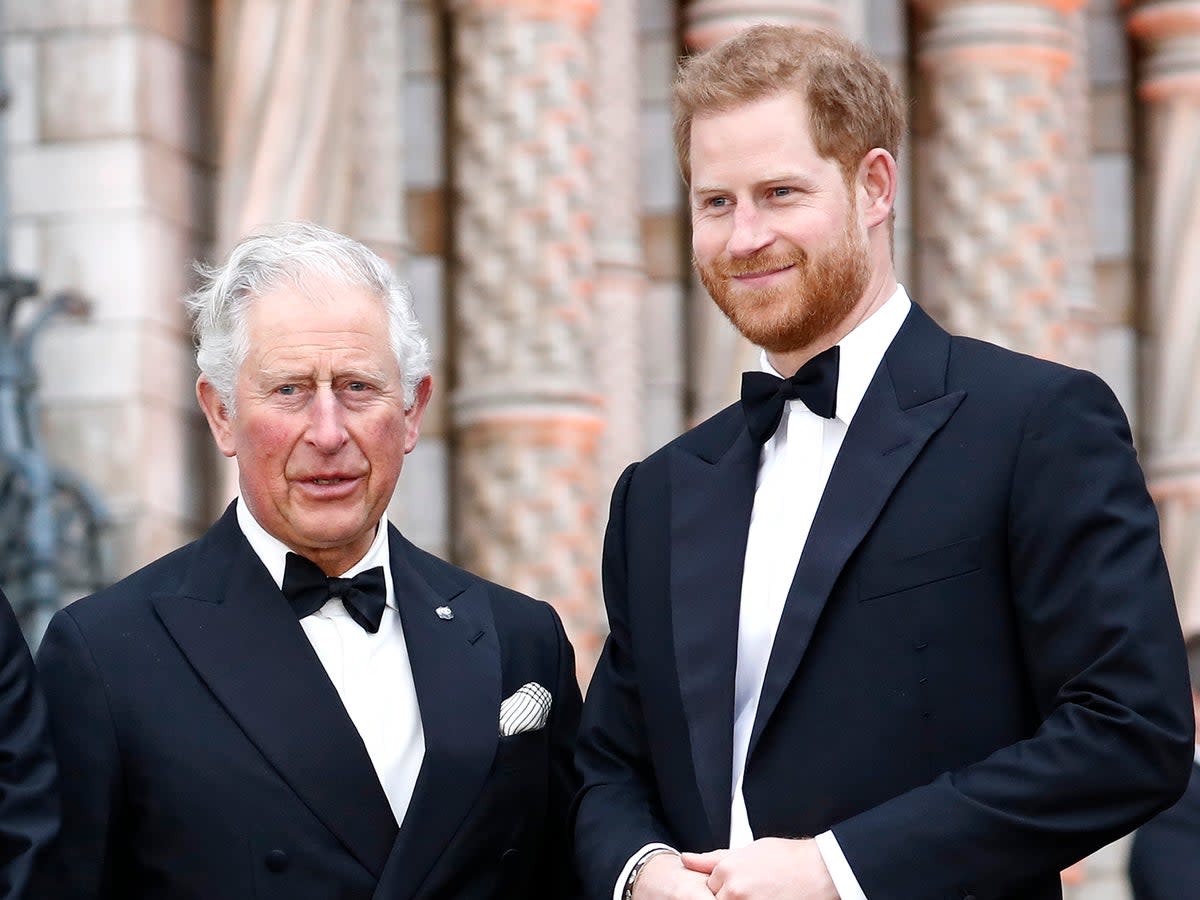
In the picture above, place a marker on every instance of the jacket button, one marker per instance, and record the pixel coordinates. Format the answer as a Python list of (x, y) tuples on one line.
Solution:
[(277, 860)]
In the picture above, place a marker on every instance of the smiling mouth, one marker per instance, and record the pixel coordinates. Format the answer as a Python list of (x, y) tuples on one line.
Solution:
[(763, 274), (329, 480)]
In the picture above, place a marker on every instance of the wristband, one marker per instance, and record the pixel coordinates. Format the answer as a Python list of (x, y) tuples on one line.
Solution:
[(631, 882)]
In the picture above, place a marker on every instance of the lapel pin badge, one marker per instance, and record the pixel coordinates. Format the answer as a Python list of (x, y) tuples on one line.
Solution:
[(444, 612)]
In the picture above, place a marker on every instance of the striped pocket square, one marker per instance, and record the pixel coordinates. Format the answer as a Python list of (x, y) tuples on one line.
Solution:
[(526, 710)]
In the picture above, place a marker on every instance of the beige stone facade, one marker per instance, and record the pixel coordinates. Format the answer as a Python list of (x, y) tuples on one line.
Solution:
[(513, 159)]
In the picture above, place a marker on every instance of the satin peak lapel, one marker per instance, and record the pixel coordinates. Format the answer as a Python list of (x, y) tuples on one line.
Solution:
[(243, 640), (883, 440), (712, 494), (456, 670)]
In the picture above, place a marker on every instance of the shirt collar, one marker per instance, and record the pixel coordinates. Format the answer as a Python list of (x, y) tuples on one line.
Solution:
[(862, 351), (273, 552)]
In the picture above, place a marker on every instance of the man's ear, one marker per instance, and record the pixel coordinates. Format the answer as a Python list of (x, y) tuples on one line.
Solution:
[(415, 413), (876, 187), (219, 420)]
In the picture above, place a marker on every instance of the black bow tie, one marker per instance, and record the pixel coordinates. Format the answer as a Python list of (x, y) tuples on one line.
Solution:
[(307, 589), (764, 395)]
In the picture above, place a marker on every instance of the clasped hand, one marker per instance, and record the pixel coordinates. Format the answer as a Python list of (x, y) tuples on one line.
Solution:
[(768, 869)]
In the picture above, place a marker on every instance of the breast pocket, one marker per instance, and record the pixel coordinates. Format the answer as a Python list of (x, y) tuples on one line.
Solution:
[(919, 569)]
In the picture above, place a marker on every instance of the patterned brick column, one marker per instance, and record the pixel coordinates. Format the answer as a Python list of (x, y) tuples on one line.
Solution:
[(525, 409), (998, 175), (718, 354), (1169, 88)]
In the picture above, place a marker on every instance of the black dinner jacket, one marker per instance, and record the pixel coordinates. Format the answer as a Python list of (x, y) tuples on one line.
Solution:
[(28, 777), (205, 753), (1164, 862), (978, 676)]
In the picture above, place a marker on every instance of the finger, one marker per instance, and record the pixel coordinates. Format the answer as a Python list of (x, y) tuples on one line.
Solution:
[(703, 862)]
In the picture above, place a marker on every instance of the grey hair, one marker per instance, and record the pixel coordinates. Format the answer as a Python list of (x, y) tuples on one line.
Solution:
[(294, 254)]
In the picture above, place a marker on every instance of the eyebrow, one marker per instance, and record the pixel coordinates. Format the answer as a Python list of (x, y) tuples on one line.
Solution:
[(797, 177)]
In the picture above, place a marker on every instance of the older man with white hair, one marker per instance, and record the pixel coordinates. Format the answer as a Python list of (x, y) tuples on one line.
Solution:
[(302, 704)]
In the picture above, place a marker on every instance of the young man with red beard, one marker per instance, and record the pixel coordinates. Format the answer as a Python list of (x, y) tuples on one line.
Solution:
[(897, 625)]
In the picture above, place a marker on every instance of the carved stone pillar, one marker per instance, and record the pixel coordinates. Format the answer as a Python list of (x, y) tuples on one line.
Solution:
[(999, 173), (526, 410), (718, 354), (1169, 88), (620, 276), (708, 22)]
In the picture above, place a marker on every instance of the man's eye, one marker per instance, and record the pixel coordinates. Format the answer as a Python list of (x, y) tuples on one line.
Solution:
[(286, 389), (780, 191), (357, 386), (719, 201)]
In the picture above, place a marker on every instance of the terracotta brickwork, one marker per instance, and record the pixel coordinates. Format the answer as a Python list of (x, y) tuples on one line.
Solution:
[(526, 409), (997, 181)]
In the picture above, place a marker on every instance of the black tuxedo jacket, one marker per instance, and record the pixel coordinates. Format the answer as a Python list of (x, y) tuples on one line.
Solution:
[(28, 780), (978, 676), (205, 754), (1164, 863)]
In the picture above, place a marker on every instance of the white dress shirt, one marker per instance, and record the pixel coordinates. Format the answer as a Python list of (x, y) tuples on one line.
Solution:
[(371, 672), (793, 470)]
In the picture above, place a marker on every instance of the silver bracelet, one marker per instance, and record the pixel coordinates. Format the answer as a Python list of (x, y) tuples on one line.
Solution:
[(634, 875)]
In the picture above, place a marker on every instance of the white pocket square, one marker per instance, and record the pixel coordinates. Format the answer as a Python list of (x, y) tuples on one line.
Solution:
[(526, 710)]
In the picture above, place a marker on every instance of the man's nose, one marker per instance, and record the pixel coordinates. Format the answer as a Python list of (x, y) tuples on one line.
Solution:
[(327, 425), (751, 231)]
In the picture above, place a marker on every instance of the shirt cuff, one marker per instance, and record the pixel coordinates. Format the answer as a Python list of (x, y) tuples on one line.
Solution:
[(619, 889), (847, 885)]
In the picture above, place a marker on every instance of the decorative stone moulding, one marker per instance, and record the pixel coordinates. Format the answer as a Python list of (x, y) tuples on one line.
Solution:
[(708, 22)]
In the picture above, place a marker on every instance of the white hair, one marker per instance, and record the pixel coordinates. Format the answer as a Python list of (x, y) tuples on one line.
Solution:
[(295, 254)]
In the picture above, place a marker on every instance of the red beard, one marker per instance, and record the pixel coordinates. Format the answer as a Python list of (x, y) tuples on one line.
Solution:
[(785, 318)]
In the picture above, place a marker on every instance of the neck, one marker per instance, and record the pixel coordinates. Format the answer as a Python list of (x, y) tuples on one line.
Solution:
[(879, 291)]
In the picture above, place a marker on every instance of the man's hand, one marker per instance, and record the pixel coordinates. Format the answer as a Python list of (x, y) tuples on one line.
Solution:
[(665, 878), (768, 869)]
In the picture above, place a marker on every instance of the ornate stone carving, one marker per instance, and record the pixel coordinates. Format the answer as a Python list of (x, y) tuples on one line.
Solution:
[(1169, 85), (998, 180), (708, 22), (526, 408)]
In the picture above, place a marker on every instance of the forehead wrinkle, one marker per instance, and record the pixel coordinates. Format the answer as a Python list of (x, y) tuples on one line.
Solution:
[(300, 360)]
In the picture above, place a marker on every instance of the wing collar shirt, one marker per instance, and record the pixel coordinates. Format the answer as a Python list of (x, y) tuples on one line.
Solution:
[(792, 473), (371, 672)]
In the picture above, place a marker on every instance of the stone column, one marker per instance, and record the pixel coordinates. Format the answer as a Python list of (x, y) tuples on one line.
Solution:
[(620, 274), (110, 173), (526, 409), (1169, 89), (718, 353), (708, 22), (998, 175)]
